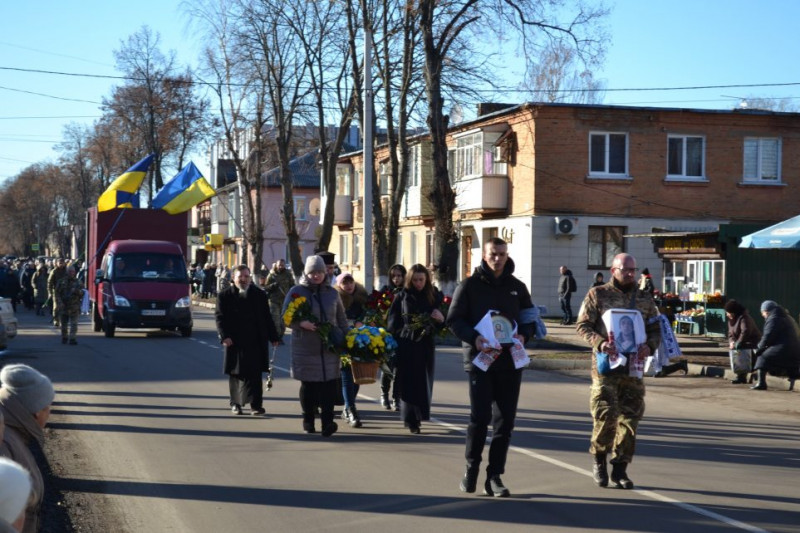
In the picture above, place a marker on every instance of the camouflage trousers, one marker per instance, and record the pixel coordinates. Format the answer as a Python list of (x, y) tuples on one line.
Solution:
[(69, 317), (277, 318), (617, 406)]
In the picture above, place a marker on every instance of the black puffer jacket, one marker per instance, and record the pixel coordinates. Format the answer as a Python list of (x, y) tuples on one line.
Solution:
[(478, 294), (779, 348)]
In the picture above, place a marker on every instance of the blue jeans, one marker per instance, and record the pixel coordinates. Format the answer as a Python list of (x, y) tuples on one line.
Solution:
[(566, 308), (349, 387)]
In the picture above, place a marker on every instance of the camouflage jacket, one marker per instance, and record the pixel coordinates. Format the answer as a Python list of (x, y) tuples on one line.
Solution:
[(56, 275), (609, 296), (69, 293), (278, 285)]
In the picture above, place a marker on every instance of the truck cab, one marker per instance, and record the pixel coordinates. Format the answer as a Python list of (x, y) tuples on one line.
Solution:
[(142, 284)]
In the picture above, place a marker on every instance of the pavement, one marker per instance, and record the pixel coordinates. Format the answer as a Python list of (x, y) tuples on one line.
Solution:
[(706, 356)]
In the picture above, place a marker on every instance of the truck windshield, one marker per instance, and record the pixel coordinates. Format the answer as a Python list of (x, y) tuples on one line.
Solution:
[(148, 267)]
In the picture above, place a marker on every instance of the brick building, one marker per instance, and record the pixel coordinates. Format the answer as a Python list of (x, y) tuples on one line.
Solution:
[(565, 184)]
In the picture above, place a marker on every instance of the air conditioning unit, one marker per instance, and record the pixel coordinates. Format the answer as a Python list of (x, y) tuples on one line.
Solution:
[(566, 226)]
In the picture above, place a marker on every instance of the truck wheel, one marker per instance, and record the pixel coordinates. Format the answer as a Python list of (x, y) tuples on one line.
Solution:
[(185, 332), (109, 329), (97, 322)]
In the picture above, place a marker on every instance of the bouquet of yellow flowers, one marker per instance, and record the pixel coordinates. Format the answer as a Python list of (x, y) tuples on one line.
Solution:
[(299, 309), (368, 344)]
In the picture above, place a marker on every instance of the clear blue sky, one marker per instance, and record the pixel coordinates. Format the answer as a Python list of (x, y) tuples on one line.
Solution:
[(654, 44)]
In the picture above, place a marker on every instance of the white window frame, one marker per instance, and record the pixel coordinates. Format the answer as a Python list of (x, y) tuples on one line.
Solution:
[(606, 172), (683, 175), (344, 249), (356, 249), (414, 165), (758, 143), (468, 156), (413, 254), (300, 208), (344, 179)]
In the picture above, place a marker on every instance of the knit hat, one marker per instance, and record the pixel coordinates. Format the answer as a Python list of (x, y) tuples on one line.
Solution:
[(341, 277), (15, 488), (29, 386), (314, 263), (768, 305), (734, 307)]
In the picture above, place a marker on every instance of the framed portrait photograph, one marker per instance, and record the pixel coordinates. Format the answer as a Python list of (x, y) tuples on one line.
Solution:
[(628, 329)]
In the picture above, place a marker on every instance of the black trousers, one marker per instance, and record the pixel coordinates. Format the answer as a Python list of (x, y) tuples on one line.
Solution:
[(566, 307), (318, 394), (493, 397), (246, 389)]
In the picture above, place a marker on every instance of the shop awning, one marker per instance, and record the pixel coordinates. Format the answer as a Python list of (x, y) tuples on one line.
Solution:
[(683, 245)]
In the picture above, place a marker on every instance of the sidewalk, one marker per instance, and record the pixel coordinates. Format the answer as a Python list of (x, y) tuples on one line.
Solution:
[(706, 357)]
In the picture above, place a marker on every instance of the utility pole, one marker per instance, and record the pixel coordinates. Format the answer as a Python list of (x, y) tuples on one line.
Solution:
[(369, 161)]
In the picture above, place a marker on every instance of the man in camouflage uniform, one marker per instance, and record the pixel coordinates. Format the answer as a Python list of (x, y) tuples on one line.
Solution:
[(617, 399), (56, 275), (278, 283), (69, 293)]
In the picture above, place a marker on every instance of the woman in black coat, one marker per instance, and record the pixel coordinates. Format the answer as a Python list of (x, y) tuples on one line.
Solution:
[(414, 318), (743, 334), (779, 348)]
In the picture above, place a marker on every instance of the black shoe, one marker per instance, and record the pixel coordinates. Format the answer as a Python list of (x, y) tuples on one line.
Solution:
[(258, 412), (494, 487), (396, 405), (308, 427), (329, 430), (761, 384), (73, 342), (619, 477), (354, 420), (385, 401), (470, 480), (684, 365), (600, 470), (236, 409), (740, 380), (414, 428)]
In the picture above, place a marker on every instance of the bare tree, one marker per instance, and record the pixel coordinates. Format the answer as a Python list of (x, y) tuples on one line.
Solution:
[(558, 76), (443, 25)]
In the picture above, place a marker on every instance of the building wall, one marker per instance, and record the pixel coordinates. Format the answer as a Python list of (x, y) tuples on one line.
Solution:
[(562, 164)]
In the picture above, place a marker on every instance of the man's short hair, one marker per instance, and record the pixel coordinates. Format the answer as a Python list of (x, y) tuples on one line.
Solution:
[(239, 268), (497, 241)]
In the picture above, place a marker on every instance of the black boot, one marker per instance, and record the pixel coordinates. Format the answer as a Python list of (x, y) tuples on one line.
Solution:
[(619, 477), (761, 384), (600, 470), (470, 480), (740, 379)]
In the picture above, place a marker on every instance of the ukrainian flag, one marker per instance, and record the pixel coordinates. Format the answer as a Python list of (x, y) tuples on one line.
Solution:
[(123, 192), (187, 189)]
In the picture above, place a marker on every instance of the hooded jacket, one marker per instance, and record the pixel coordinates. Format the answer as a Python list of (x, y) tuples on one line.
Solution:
[(311, 359), (478, 294)]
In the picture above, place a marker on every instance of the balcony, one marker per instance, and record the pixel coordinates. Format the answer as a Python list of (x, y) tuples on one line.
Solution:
[(482, 194), (416, 203), (343, 210)]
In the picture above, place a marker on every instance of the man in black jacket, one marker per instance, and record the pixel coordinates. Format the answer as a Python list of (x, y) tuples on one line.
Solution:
[(246, 329), (493, 393), (566, 286)]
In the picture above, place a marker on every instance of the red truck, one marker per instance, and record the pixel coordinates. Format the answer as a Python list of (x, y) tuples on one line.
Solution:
[(136, 270)]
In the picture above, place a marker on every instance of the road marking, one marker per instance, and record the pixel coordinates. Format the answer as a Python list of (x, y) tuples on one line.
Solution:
[(577, 470)]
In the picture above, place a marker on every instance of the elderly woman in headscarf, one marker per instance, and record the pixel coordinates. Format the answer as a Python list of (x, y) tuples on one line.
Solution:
[(743, 334), (779, 348)]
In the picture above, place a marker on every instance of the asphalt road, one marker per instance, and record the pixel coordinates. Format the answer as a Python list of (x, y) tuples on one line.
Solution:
[(142, 439)]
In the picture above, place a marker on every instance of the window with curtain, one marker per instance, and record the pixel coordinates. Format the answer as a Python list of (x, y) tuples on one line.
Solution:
[(762, 159), (608, 154), (604, 243), (685, 156)]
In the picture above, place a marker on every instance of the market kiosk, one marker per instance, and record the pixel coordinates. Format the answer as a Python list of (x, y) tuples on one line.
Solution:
[(693, 280)]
